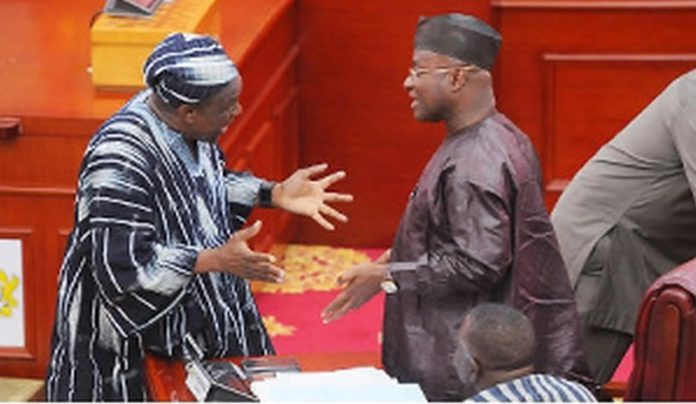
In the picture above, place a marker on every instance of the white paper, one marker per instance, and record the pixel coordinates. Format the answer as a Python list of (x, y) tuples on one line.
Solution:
[(197, 383), (11, 294), (355, 384)]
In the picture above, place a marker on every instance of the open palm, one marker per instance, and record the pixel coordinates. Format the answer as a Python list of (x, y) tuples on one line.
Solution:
[(302, 195)]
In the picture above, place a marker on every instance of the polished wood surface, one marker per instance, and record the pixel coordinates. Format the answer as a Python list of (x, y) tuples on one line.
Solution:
[(595, 4), (45, 61), (265, 138), (166, 378), (612, 390), (573, 74)]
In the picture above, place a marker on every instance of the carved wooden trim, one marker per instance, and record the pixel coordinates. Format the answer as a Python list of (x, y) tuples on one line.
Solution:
[(263, 35), (286, 115), (257, 138), (557, 185), (60, 127), (10, 127), (550, 61), (615, 57), (36, 191), (594, 5), (29, 350), (548, 113), (63, 240), (288, 63), (287, 102)]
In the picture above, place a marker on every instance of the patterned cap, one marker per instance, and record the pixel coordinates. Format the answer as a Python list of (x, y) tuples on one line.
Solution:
[(188, 68), (459, 36)]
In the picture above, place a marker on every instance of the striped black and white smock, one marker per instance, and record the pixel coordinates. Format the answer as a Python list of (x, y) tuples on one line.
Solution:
[(143, 211), (535, 388)]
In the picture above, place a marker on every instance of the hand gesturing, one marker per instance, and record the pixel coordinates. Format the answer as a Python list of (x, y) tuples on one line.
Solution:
[(236, 257), (302, 195)]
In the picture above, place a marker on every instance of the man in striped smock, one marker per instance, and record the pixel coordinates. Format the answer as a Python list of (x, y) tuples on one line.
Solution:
[(156, 252), (496, 355)]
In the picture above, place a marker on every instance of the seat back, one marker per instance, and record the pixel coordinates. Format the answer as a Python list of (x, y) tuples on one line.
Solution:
[(665, 340)]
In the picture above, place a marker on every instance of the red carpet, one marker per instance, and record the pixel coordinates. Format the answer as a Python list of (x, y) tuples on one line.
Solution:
[(624, 370), (295, 321), (292, 310)]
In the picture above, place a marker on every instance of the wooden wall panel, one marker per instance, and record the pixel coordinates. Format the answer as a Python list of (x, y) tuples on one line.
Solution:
[(572, 73), (580, 118), (38, 172), (43, 247), (594, 4), (264, 140), (28, 304), (354, 112)]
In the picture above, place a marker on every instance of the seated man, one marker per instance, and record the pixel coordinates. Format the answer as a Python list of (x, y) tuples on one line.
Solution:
[(496, 355), (629, 216)]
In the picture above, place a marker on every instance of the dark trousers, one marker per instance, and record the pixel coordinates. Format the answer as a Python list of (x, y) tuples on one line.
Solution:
[(604, 348)]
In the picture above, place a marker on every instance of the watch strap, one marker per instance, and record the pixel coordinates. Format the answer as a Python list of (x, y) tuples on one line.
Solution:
[(266, 194)]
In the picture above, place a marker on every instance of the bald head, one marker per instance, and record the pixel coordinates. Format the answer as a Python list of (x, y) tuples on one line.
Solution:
[(500, 337)]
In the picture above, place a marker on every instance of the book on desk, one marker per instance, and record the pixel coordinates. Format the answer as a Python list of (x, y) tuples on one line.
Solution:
[(131, 8)]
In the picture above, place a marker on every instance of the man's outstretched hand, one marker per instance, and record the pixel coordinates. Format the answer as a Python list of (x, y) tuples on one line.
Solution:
[(237, 258), (362, 282), (302, 195)]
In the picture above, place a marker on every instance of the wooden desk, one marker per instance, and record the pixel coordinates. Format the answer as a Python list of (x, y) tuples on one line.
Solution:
[(166, 378)]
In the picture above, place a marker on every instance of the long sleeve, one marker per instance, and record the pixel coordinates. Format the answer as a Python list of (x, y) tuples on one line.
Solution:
[(477, 252), (147, 204), (242, 195), (477, 215), (140, 274)]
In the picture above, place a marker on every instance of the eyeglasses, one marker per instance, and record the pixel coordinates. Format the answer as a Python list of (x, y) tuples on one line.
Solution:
[(415, 72)]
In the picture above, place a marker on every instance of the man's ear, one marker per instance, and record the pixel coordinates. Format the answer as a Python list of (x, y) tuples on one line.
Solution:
[(459, 79), (467, 367), (475, 368), (186, 114)]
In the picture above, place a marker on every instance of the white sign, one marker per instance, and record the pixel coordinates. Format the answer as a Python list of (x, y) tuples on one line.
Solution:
[(11, 294)]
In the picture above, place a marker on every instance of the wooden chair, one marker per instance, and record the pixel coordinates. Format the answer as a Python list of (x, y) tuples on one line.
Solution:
[(665, 340)]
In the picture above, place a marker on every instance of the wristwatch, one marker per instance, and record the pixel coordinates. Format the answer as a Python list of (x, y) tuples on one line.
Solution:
[(388, 285), (266, 194)]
